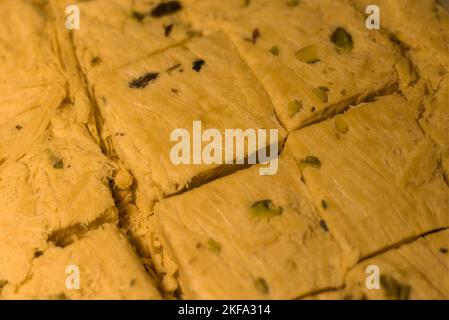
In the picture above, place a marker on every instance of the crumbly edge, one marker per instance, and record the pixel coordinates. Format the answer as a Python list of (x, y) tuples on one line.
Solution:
[(122, 202)]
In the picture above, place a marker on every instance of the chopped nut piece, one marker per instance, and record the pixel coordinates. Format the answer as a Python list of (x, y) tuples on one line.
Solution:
[(262, 285), (308, 54), (294, 107), (198, 64), (168, 29), (323, 225), (342, 40), (274, 51), (292, 3), (61, 296), (138, 16), (144, 80), (394, 289), (58, 164), (321, 93), (324, 204), (213, 246), (3, 283), (255, 36), (166, 8), (265, 208), (95, 61), (341, 125), (310, 161)]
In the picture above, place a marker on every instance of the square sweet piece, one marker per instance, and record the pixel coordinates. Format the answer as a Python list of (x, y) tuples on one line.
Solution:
[(426, 38), (248, 236), (403, 273), (203, 81), (376, 177), (116, 32), (312, 62), (102, 263)]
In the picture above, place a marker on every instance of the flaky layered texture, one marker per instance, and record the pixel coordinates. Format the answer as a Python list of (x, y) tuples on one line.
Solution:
[(425, 39), (313, 62), (375, 144), (106, 263), (54, 179), (204, 81), (249, 236), (86, 173), (114, 33), (404, 273)]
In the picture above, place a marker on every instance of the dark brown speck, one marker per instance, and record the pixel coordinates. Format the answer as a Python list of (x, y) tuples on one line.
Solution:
[(198, 64), (166, 8), (323, 225), (168, 29), (255, 36), (144, 80)]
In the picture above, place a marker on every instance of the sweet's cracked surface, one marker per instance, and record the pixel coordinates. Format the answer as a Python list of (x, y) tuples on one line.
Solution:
[(86, 177)]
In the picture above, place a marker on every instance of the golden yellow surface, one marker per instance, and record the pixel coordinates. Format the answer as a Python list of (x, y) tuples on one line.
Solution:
[(86, 177)]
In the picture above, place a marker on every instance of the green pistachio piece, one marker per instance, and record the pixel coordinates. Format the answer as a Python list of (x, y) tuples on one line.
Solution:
[(265, 208), (262, 285), (394, 289), (292, 3), (341, 125), (310, 161), (308, 54), (3, 283), (61, 296), (213, 246), (58, 164), (342, 40), (322, 94), (274, 51), (294, 107)]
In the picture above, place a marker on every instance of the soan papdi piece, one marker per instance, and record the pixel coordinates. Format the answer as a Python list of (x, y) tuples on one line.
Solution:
[(57, 189), (26, 56), (312, 61), (101, 265), (248, 236), (374, 174), (146, 104), (426, 38), (113, 33), (31, 85), (415, 271), (53, 177)]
